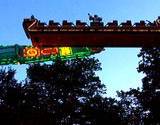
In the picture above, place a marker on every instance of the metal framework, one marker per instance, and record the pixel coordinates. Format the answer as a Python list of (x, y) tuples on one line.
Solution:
[(112, 34), (65, 41)]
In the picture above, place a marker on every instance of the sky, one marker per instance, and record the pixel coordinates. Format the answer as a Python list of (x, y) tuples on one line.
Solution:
[(118, 64)]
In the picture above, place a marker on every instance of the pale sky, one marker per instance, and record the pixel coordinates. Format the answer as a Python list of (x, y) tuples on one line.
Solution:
[(118, 64)]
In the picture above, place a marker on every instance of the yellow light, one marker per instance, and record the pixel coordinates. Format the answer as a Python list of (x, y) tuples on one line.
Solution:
[(65, 51)]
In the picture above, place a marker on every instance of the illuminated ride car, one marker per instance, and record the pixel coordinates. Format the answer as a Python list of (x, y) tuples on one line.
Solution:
[(28, 54)]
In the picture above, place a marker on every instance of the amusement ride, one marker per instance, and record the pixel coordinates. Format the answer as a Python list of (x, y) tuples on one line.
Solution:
[(67, 40)]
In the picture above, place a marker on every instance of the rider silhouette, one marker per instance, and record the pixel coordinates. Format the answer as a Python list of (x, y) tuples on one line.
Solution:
[(95, 18)]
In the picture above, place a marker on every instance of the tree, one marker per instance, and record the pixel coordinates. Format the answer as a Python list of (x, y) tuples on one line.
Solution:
[(9, 96), (150, 66), (63, 87), (131, 108), (102, 111), (64, 92), (72, 93)]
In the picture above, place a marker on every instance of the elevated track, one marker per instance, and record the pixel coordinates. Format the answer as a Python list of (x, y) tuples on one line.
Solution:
[(112, 34)]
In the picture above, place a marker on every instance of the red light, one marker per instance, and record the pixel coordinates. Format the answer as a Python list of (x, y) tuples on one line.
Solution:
[(49, 51)]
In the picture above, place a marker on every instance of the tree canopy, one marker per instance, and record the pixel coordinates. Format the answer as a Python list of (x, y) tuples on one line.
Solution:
[(70, 93), (150, 66), (64, 92)]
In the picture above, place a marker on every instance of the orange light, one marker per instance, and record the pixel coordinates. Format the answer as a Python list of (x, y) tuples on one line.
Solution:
[(31, 52), (37, 52)]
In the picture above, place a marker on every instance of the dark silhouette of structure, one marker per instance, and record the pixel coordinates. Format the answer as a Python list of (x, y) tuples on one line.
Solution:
[(112, 34)]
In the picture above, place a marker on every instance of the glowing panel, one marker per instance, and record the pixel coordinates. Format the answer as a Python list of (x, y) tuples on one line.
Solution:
[(31, 52), (65, 51), (27, 54), (49, 51), (37, 52)]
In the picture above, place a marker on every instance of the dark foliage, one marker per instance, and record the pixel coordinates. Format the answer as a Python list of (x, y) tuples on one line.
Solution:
[(62, 93), (131, 108), (150, 66), (143, 107), (70, 93)]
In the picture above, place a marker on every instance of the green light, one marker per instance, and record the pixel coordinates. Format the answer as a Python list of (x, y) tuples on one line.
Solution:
[(27, 54)]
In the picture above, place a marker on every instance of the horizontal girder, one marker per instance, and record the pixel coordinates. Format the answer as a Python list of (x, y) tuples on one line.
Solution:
[(96, 34)]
